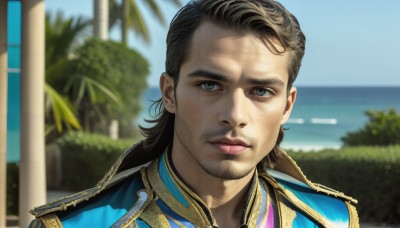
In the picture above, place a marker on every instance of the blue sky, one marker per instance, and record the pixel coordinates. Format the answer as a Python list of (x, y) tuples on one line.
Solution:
[(349, 43)]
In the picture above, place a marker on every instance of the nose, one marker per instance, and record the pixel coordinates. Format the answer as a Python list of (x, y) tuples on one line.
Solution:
[(234, 111)]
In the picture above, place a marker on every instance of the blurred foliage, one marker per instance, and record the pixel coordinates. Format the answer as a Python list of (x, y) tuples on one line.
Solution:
[(383, 128), (89, 82), (87, 157), (105, 82), (62, 36), (127, 15), (369, 174)]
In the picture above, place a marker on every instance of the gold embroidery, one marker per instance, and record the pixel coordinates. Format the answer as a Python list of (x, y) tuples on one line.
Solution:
[(73, 200), (250, 200), (191, 214), (153, 216), (307, 209), (304, 207), (286, 214), (288, 166), (201, 211), (175, 221), (254, 206), (354, 222), (267, 203), (51, 221), (145, 179)]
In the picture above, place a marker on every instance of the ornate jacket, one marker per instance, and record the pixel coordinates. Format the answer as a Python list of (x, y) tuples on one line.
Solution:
[(154, 196)]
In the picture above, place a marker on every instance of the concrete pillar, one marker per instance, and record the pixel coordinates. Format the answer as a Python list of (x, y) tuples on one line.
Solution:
[(100, 12), (32, 182), (3, 111)]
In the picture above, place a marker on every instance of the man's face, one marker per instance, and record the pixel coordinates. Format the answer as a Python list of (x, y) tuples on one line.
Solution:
[(229, 104)]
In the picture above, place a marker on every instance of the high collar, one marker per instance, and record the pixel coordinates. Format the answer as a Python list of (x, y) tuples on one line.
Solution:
[(136, 157), (182, 200)]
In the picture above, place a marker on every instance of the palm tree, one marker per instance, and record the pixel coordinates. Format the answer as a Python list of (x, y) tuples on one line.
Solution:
[(129, 16), (61, 37)]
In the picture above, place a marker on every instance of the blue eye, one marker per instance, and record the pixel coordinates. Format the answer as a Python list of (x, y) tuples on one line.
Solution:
[(209, 86), (261, 92)]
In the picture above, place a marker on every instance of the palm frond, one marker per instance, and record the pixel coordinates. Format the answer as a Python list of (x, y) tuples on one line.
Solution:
[(114, 12), (104, 90), (155, 9), (62, 113), (177, 3), (80, 86), (136, 21), (62, 35)]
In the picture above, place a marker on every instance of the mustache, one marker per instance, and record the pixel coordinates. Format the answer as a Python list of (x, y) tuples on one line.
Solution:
[(230, 133)]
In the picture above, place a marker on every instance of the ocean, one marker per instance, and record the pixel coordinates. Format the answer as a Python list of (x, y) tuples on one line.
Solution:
[(321, 115)]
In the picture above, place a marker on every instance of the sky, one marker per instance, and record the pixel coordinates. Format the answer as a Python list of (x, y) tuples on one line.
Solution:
[(349, 43)]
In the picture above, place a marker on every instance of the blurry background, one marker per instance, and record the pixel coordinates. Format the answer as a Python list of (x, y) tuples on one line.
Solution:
[(346, 116), (350, 65)]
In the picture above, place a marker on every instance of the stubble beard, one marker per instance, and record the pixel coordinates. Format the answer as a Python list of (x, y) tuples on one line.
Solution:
[(225, 171)]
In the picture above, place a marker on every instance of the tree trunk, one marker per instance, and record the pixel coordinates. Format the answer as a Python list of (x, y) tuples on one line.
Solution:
[(100, 12), (124, 22)]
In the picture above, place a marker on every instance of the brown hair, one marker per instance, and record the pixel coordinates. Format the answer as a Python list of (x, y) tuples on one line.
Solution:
[(267, 18)]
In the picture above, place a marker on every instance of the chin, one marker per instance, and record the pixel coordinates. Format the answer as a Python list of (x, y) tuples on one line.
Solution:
[(226, 171)]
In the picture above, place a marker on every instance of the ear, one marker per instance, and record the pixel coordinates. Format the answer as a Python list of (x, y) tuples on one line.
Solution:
[(167, 88), (289, 104)]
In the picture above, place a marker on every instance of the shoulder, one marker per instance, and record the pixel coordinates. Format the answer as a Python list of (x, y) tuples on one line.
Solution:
[(112, 199), (326, 206)]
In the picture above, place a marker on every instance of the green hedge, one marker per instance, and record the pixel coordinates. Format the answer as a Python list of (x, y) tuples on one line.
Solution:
[(382, 129), (369, 174), (87, 157)]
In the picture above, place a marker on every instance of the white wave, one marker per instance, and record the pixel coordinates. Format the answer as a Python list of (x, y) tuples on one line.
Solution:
[(295, 121), (331, 121), (307, 147)]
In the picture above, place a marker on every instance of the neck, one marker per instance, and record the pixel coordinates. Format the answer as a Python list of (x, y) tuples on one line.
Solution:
[(224, 198)]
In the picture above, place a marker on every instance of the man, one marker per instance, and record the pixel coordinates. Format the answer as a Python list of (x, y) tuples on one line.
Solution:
[(212, 157)]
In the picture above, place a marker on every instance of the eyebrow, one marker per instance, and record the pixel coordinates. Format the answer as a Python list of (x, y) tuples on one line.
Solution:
[(209, 75), (219, 77), (264, 82)]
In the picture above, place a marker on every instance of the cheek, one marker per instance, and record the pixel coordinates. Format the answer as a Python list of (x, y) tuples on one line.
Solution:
[(192, 109), (269, 116)]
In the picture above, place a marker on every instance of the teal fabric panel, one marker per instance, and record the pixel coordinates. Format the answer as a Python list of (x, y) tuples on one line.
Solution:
[(168, 211), (106, 209), (331, 208), (169, 183), (141, 224), (302, 221)]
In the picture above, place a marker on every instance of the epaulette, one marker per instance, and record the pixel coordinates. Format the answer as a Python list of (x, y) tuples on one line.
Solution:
[(73, 200), (286, 165), (290, 183), (113, 176)]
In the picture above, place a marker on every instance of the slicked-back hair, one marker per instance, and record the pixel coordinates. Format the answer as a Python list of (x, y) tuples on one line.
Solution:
[(267, 18)]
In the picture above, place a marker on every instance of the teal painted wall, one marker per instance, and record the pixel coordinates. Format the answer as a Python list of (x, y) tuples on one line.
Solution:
[(14, 78)]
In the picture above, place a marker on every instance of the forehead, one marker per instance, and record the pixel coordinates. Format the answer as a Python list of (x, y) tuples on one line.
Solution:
[(215, 46)]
